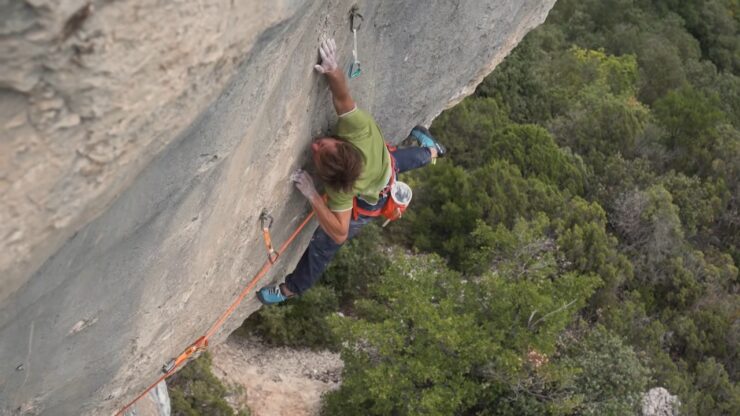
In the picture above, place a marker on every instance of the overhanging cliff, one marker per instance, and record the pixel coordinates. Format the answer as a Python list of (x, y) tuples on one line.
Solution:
[(141, 140)]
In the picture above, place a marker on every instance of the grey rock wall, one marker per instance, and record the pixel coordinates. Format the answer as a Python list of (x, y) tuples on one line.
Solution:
[(141, 139), (155, 403)]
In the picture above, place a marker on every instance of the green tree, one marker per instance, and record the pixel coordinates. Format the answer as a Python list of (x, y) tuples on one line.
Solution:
[(601, 124), (699, 201), (445, 207), (661, 68), (720, 396), (298, 322), (412, 348), (714, 24), (519, 82), (358, 263), (587, 248), (195, 391), (691, 119), (428, 341), (610, 376), (466, 129), (534, 151)]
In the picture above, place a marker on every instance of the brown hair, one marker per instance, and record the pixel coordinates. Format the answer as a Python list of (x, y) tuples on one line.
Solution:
[(340, 169)]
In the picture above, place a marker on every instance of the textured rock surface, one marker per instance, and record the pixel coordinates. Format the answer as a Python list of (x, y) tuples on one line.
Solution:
[(155, 403), (86, 102), (659, 402), (141, 139)]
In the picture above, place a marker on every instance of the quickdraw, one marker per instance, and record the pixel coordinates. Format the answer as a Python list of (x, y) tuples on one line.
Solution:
[(355, 22), (266, 222)]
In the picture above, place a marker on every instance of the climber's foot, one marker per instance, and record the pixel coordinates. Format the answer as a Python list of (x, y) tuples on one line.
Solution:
[(271, 295), (425, 139)]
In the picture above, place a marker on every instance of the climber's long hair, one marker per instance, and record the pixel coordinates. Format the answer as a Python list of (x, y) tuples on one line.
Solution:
[(340, 169)]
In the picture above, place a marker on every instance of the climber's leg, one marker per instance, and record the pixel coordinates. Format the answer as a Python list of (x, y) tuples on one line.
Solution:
[(316, 258), (410, 158)]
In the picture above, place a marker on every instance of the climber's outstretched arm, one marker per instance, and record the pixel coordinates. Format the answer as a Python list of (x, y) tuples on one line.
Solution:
[(343, 102)]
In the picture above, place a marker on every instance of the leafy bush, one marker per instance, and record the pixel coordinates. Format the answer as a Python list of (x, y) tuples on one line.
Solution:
[(195, 391), (426, 341), (610, 376), (360, 261), (298, 322)]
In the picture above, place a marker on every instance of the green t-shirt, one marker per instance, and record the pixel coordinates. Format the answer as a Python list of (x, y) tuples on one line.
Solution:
[(359, 128)]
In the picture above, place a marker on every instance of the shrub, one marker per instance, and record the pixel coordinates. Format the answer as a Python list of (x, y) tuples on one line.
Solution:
[(195, 391), (298, 322)]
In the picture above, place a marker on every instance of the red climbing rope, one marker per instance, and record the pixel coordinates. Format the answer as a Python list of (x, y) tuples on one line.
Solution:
[(202, 343)]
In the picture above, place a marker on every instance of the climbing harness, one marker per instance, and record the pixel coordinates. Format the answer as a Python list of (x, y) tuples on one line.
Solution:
[(397, 194), (201, 344), (357, 210), (355, 22)]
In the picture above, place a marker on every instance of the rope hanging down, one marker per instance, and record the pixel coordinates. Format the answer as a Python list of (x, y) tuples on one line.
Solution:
[(201, 344)]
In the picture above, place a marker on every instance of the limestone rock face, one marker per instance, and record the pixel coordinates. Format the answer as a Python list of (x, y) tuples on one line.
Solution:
[(139, 142), (155, 403)]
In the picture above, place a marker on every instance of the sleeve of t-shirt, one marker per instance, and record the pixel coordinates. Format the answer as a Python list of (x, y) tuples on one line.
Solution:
[(339, 201), (355, 126)]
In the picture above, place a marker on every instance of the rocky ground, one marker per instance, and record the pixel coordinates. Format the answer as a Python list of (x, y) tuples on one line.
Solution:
[(275, 381)]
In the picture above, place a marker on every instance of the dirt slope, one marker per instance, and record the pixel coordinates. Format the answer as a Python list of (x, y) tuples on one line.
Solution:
[(275, 381)]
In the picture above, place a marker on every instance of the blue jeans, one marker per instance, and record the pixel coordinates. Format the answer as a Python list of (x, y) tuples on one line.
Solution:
[(322, 248)]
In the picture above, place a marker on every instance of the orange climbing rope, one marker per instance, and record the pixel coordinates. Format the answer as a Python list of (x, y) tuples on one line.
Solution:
[(202, 343)]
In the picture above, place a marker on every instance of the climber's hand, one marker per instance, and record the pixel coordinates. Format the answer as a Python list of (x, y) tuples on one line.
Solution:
[(304, 183), (328, 52)]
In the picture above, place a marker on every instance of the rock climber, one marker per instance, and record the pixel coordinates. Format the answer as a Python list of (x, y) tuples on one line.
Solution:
[(356, 168)]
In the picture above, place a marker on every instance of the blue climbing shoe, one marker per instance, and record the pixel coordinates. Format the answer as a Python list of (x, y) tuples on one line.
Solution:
[(425, 139), (271, 295)]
